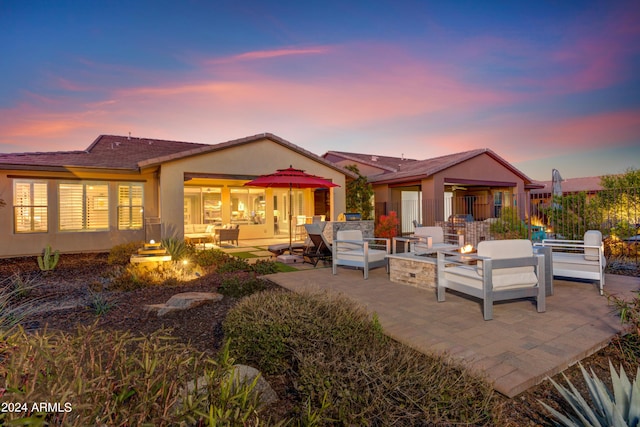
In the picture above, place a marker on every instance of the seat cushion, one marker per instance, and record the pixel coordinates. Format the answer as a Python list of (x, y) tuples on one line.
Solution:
[(436, 233), (469, 276), (357, 255), (504, 249), (592, 238), (349, 235)]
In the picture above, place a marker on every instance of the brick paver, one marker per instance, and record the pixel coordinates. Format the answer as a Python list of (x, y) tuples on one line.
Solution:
[(516, 350)]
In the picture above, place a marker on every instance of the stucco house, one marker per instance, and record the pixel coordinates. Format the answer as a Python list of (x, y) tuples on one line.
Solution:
[(123, 189), (474, 185)]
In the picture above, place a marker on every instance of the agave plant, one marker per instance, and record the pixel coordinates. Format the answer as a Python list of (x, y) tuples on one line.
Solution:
[(177, 248), (622, 408)]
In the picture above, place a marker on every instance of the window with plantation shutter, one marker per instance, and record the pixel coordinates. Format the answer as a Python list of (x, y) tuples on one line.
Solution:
[(130, 207), (30, 206), (83, 206)]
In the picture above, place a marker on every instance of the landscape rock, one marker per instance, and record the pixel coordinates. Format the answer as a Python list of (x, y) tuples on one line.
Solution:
[(183, 301), (242, 374), (247, 374)]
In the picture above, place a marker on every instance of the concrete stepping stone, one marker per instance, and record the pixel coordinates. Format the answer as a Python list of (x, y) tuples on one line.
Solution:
[(183, 301)]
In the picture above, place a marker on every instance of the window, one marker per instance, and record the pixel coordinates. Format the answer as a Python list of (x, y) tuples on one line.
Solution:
[(30, 207), (203, 205), (83, 206), (247, 206), (130, 207)]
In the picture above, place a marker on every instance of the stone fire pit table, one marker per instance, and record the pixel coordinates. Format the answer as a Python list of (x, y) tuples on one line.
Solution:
[(420, 271)]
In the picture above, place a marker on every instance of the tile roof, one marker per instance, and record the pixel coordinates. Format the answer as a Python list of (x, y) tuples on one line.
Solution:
[(572, 185), (388, 163), (129, 153), (107, 151), (424, 168)]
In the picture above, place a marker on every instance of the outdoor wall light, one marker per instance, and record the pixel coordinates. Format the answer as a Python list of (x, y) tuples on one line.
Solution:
[(152, 242)]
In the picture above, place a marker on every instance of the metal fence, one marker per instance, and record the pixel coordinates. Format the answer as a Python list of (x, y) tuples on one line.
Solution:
[(615, 213)]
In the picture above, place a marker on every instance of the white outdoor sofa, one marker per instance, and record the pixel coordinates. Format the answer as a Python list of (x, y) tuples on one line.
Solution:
[(501, 270), (434, 239), (351, 249), (579, 259)]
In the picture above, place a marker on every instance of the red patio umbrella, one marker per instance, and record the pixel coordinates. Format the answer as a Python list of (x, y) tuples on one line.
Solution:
[(290, 178)]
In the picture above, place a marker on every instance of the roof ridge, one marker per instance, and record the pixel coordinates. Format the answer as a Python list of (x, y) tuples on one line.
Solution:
[(30, 153)]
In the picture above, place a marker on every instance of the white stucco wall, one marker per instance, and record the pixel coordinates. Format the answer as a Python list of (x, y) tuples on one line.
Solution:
[(256, 158)]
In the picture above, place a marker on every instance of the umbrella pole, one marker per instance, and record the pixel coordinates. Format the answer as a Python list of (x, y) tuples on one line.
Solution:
[(290, 219)]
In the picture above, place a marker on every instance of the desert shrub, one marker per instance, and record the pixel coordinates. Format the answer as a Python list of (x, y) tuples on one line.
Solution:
[(345, 371), (114, 378), (628, 309), (238, 285), (121, 254), (100, 302), (23, 283), (178, 248), (233, 264), (136, 276), (14, 307), (262, 267), (210, 257), (604, 408)]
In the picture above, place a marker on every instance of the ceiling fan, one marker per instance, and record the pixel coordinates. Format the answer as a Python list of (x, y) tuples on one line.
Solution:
[(457, 187)]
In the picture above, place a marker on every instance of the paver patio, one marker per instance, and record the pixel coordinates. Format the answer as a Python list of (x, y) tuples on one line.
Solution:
[(516, 350)]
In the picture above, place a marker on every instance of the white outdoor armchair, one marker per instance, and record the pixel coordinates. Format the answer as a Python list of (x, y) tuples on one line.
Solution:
[(351, 249), (579, 259), (502, 270)]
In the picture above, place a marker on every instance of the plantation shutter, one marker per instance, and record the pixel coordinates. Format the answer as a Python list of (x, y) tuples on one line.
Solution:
[(83, 206), (97, 206), (30, 206), (130, 208), (71, 206)]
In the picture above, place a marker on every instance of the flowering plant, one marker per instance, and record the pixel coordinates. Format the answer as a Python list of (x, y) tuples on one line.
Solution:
[(387, 225)]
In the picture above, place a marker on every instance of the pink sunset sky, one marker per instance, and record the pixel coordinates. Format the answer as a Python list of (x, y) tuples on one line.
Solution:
[(544, 85)]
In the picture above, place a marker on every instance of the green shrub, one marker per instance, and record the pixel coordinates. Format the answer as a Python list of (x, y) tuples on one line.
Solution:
[(121, 254), (345, 371), (620, 408), (114, 378), (239, 285), (262, 267), (232, 264), (210, 257), (509, 225), (136, 276)]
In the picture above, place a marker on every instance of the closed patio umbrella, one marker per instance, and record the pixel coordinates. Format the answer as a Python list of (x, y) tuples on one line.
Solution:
[(556, 187), (290, 178)]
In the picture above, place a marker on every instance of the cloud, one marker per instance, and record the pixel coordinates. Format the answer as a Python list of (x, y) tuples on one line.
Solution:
[(380, 95), (270, 54)]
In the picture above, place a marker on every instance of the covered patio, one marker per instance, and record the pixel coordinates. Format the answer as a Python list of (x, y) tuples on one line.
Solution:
[(515, 351)]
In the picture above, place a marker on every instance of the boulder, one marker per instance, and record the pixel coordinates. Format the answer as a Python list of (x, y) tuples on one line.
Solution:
[(183, 301)]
